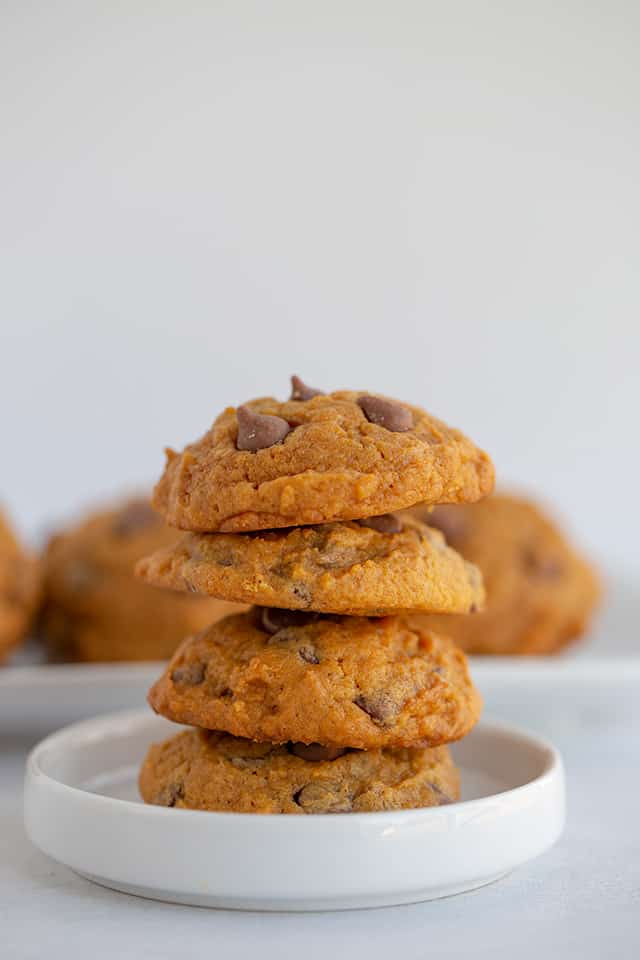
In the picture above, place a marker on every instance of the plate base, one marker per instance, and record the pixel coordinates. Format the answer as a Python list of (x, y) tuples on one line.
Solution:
[(318, 905)]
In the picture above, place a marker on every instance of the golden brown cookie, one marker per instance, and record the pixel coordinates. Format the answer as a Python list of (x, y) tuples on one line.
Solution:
[(203, 770), (345, 568), (19, 590), (340, 456), (540, 592), (97, 610), (278, 675)]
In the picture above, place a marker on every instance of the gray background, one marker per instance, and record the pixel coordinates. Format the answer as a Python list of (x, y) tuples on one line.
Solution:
[(436, 201)]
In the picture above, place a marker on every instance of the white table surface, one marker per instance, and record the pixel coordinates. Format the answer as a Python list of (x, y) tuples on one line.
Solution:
[(580, 900)]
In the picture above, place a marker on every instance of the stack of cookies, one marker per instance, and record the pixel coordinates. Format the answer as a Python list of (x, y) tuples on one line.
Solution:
[(323, 697)]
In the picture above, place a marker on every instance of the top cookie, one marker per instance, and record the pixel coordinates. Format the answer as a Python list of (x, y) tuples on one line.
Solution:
[(340, 456), (19, 590)]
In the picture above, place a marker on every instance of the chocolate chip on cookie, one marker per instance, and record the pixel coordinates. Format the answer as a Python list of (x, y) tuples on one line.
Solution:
[(386, 413), (316, 752), (169, 795), (190, 674), (133, 518), (308, 654), (449, 520), (380, 707), (273, 619), (256, 431), (387, 523), (300, 390), (538, 564)]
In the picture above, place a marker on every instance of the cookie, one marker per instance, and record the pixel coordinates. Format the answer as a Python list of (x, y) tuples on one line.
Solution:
[(277, 675), (540, 592), (346, 568), (202, 770), (19, 590), (340, 456), (95, 608)]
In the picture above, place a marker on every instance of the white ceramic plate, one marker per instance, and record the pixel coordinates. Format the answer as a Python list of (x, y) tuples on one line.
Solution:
[(82, 809)]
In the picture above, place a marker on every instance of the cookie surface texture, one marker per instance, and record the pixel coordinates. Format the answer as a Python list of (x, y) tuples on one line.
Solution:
[(276, 676), (344, 568), (202, 770)]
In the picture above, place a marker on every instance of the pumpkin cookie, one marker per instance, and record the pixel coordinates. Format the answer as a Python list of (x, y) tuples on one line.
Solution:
[(97, 610), (203, 770), (340, 456), (373, 567), (279, 675), (19, 590), (540, 592)]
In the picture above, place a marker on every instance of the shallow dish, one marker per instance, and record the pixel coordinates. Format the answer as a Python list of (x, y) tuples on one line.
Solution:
[(82, 809)]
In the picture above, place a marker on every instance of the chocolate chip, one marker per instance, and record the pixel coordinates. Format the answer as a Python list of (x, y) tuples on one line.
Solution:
[(258, 430), (134, 517), (308, 655), (316, 797), (300, 390), (545, 567), (273, 619), (80, 576), (380, 707), (315, 752), (443, 798), (387, 523), (225, 560), (386, 413), (12, 598), (450, 521), (191, 674), (302, 592), (242, 763), (169, 796)]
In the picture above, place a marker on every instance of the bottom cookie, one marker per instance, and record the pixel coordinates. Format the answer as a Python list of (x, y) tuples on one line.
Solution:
[(207, 770)]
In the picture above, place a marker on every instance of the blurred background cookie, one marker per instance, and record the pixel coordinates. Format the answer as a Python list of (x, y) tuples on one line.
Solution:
[(540, 592), (19, 589), (95, 609)]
